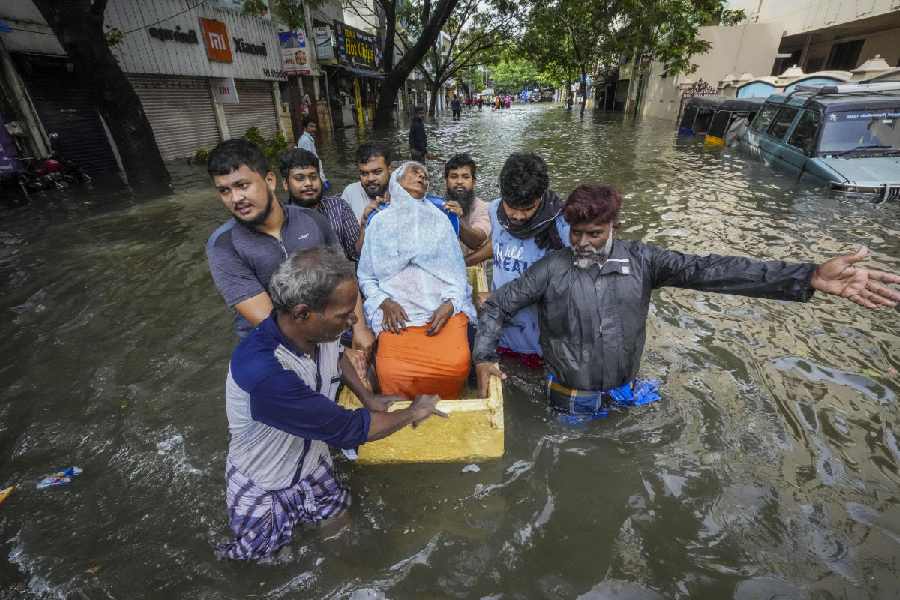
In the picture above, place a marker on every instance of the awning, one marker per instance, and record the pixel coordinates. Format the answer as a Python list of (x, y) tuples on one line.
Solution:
[(365, 72)]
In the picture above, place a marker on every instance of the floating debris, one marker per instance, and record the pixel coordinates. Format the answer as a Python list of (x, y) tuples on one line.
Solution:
[(63, 477)]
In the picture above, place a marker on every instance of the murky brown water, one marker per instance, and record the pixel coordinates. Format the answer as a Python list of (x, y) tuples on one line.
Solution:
[(768, 470)]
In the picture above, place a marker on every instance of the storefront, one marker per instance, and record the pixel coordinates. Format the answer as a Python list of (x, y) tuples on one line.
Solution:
[(65, 109), (353, 74), (203, 75)]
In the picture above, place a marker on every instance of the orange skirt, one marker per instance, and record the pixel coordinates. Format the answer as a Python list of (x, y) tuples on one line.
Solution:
[(411, 363)]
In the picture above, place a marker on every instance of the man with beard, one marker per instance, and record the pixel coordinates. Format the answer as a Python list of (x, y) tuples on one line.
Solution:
[(300, 178), (245, 252), (594, 299), (373, 160), (526, 223), (474, 220)]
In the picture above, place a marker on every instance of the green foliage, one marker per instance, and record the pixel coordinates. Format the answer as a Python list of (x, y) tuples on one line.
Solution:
[(201, 156), (514, 74), (289, 12), (255, 8), (568, 37), (113, 35), (272, 148), (477, 31)]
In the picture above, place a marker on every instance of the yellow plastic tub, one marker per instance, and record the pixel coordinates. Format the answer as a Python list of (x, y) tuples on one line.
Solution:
[(472, 433)]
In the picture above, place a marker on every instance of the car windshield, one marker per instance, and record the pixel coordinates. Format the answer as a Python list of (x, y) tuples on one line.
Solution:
[(858, 129)]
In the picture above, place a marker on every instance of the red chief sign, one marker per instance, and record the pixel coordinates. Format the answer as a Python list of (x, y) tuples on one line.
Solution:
[(215, 36)]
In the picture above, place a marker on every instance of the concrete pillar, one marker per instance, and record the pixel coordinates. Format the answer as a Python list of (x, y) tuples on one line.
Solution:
[(284, 116), (36, 133), (221, 121)]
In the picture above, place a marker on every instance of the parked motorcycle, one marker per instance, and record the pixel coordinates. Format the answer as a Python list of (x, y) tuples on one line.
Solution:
[(50, 173)]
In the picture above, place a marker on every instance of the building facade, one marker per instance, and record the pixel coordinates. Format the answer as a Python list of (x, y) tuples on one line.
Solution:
[(203, 72), (780, 42)]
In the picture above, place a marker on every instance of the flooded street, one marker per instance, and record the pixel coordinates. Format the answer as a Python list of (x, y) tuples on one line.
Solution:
[(770, 469)]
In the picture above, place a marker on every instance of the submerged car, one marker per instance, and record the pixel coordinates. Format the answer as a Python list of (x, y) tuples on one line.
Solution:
[(697, 114), (844, 136), (734, 114)]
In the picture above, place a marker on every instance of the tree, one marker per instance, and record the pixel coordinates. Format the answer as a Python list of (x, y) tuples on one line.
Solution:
[(578, 37), (515, 74), (476, 30), (431, 22), (78, 24), (569, 36)]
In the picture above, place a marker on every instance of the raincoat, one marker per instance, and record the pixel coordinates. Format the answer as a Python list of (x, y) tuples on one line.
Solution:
[(593, 321), (411, 255)]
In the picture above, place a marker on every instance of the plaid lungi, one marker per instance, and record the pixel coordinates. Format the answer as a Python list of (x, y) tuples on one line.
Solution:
[(263, 521)]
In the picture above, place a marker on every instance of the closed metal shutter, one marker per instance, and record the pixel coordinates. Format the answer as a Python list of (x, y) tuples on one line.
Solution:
[(180, 111), (256, 109), (66, 108)]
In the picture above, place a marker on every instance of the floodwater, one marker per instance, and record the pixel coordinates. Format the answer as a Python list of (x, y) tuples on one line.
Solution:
[(770, 468)]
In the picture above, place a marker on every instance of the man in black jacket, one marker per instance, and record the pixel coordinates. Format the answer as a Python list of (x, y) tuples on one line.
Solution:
[(418, 139), (593, 300)]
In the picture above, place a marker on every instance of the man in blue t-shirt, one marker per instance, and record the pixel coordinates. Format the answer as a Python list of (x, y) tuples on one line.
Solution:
[(526, 223), (282, 416), (245, 251)]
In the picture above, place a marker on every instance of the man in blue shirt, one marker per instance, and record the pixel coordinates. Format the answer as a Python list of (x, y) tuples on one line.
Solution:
[(526, 223), (282, 416), (245, 251)]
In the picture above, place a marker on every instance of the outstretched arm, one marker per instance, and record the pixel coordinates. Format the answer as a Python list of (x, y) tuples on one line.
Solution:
[(775, 279), (736, 275)]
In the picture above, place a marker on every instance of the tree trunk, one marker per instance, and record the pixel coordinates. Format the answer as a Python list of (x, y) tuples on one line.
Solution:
[(78, 24), (396, 76)]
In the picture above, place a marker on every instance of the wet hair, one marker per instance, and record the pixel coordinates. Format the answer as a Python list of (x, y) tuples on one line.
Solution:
[(523, 179), (229, 155), (306, 121), (298, 158), (309, 277), (419, 109), (593, 202), (370, 150), (458, 161)]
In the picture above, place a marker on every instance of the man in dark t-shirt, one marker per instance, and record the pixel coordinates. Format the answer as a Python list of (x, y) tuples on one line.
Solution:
[(245, 252)]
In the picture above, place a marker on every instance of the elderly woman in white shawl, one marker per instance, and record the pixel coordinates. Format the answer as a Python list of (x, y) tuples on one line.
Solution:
[(418, 300)]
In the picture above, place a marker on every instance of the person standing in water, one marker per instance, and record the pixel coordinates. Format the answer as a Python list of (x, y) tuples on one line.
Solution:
[(594, 297), (307, 142), (282, 416), (418, 138)]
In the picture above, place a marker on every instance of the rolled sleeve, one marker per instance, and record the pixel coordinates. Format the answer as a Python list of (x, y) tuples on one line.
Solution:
[(285, 402)]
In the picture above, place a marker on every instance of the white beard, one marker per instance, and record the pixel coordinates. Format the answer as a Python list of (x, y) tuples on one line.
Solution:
[(588, 257)]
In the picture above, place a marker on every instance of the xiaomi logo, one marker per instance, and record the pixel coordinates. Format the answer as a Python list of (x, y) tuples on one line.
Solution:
[(215, 36)]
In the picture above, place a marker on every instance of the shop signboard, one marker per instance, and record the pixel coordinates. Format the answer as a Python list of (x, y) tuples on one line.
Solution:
[(294, 57), (215, 36), (356, 48), (324, 44), (224, 90)]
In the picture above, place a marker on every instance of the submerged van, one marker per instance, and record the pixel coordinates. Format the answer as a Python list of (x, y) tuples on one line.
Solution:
[(844, 136)]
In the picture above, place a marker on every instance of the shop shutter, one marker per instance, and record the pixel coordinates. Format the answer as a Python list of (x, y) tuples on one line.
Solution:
[(180, 111), (64, 106), (256, 109)]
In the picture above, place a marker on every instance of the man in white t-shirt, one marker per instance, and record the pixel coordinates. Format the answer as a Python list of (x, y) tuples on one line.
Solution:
[(374, 163)]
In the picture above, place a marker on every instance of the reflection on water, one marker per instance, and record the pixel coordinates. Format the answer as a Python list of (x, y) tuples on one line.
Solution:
[(768, 470)]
